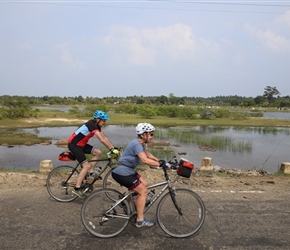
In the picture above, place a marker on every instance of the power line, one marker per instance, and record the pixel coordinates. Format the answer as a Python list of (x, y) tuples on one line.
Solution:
[(216, 3), (247, 3), (243, 3)]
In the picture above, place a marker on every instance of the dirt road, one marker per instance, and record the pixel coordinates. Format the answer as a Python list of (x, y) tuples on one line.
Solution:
[(242, 213)]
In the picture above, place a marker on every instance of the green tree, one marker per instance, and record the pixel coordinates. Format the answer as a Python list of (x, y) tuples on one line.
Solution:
[(79, 99), (269, 94), (234, 102), (146, 111), (163, 100), (188, 113), (259, 100)]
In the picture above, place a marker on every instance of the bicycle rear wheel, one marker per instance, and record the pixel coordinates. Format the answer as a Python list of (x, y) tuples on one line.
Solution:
[(98, 216), (60, 183), (109, 182), (192, 214)]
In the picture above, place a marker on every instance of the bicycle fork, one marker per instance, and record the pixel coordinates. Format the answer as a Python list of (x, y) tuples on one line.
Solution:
[(173, 195)]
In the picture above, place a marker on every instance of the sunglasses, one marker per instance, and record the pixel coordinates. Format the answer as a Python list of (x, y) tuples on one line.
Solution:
[(151, 134)]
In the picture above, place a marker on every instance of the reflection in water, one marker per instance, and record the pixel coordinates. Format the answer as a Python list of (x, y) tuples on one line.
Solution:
[(251, 148), (264, 130)]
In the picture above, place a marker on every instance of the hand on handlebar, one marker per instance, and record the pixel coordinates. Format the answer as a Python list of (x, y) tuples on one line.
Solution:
[(163, 163), (115, 151)]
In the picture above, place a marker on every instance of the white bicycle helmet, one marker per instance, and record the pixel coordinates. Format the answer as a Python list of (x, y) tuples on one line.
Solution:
[(142, 128)]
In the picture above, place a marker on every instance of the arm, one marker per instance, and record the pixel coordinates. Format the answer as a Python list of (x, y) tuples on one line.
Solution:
[(104, 140), (151, 156), (152, 161)]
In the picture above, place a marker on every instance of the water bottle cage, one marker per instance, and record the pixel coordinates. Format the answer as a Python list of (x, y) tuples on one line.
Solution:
[(149, 197)]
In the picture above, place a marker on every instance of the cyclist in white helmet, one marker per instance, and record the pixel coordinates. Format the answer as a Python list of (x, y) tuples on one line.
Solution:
[(126, 175)]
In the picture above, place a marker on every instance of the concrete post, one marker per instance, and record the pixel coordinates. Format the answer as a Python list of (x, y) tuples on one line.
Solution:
[(206, 164), (285, 167), (45, 166)]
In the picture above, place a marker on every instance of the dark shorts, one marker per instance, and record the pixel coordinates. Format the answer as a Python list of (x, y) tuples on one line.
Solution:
[(79, 152), (129, 181)]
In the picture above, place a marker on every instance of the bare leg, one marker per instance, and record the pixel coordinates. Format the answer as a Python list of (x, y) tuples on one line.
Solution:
[(88, 167), (96, 154), (142, 190)]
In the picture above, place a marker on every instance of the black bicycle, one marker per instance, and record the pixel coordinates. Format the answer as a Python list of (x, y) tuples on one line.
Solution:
[(62, 179), (180, 212)]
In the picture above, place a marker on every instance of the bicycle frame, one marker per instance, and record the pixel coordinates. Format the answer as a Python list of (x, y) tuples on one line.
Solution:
[(113, 209), (109, 164), (166, 185), (62, 179)]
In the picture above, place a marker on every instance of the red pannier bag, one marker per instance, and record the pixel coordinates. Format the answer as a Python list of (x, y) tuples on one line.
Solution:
[(66, 156), (185, 168)]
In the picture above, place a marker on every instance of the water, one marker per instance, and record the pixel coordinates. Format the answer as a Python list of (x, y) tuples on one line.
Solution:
[(29, 157), (277, 115), (55, 107), (270, 147)]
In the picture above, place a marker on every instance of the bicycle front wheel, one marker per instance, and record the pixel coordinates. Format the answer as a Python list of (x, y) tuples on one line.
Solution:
[(186, 222), (60, 183), (101, 218)]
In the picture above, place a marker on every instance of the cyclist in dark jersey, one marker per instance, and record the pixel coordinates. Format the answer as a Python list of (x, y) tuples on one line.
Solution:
[(78, 145)]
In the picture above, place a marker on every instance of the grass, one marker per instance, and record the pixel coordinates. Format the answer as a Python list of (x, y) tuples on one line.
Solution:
[(207, 141), (19, 137), (133, 119), (24, 171), (280, 173)]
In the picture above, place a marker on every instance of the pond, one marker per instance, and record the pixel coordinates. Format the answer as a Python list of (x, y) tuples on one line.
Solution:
[(247, 148)]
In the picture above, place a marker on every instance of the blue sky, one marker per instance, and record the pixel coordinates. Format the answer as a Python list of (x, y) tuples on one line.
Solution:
[(149, 48)]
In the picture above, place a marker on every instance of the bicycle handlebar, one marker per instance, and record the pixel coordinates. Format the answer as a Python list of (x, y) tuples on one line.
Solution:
[(174, 164), (120, 149)]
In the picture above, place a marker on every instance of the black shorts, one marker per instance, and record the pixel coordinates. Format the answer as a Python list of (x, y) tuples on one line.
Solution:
[(129, 181), (79, 152)]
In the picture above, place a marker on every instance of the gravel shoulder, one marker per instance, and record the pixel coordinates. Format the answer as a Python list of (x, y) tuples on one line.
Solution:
[(236, 182), (243, 212)]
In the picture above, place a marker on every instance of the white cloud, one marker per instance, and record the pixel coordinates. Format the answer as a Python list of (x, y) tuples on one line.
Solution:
[(176, 40), (269, 39), (127, 45), (67, 57), (284, 19), (147, 46)]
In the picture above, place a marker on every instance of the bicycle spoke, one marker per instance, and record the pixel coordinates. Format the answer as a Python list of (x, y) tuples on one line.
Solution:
[(189, 221), (102, 217), (60, 183)]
